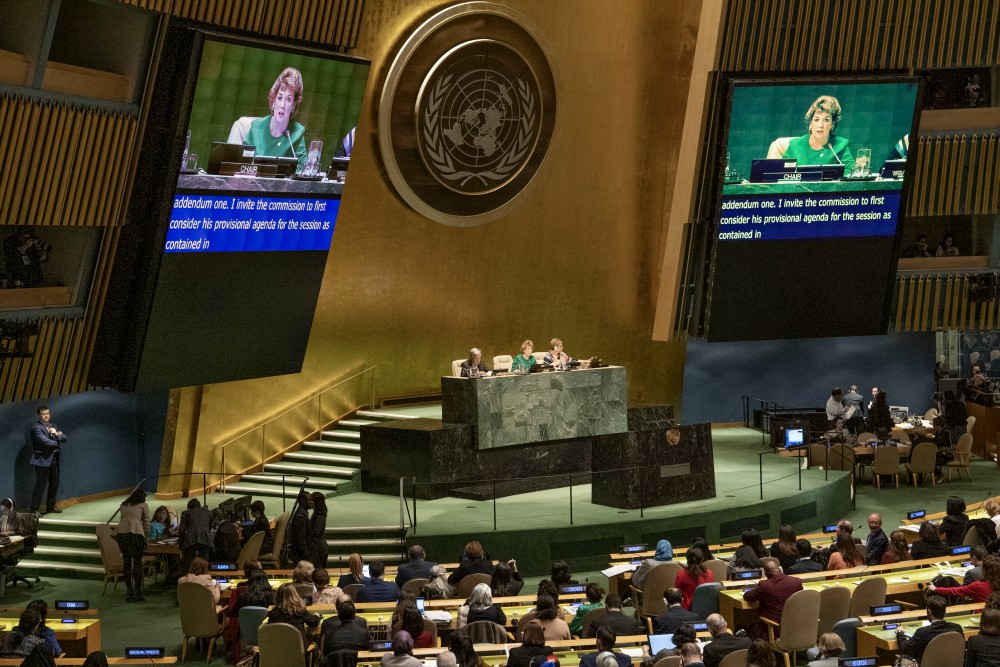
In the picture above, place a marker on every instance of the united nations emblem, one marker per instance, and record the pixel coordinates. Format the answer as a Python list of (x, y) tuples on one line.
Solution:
[(467, 113), (478, 114), (674, 436)]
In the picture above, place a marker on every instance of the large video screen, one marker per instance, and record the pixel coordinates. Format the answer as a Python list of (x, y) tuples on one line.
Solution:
[(814, 184), (241, 174)]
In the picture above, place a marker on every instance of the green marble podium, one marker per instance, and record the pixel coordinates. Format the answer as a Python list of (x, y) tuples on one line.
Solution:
[(521, 409)]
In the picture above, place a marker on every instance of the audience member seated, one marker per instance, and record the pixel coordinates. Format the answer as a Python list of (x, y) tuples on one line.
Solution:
[(920, 249), (256, 591), (975, 573), (43, 631), (561, 576), (506, 579), (465, 653), (377, 589), (979, 590), (615, 619), (805, 562), (838, 434), (290, 608), (955, 522), (664, 553), (770, 594), (19, 642), (413, 623), (913, 647), (447, 659), (760, 654), (41, 656), (685, 634), (955, 415), (96, 659), (438, 587), (929, 545), (703, 545), (830, 647), (523, 362), (13, 522), (785, 549), (355, 573), (481, 608), (595, 600), (723, 641), (473, 561), (747, 556), (675, 616), (606, 639), (345, 631), (898, 550), (847, 554), (691, 655), (416, 567), (548, 617), (693, 575), (260, 525), (879, 415), (877, 542), (226, 542), (325, 593), (303, 572), (198, 574), (163, 526), (546, 587), (402, 652), (983, 650), (947, 247), (532, 646), (406, 600)]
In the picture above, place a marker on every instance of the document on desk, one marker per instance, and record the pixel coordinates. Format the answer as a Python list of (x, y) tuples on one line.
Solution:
[(615, 570)]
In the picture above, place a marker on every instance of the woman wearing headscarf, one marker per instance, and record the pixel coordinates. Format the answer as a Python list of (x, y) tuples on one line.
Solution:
[(402, 652), (664, 553)]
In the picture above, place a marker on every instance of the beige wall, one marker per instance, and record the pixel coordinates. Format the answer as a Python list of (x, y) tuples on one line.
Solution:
[(577, 256)]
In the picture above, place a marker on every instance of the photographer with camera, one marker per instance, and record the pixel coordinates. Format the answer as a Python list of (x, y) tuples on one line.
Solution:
[(24, 254)]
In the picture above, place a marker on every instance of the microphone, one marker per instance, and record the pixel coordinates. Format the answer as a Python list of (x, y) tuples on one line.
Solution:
[(828, 145), (295, 155)]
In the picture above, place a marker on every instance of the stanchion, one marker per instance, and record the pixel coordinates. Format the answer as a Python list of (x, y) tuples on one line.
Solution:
[(494, 505), (760, 465)]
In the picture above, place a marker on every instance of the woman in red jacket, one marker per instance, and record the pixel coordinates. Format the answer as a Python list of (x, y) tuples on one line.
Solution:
[(692, 576)]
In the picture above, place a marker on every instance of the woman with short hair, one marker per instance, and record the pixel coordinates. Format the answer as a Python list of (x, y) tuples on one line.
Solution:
[(473, 561), (929, 545), (983, 650), (523, 362), (595, 600), (481, 607), (532, 645), (198, 574), (260, 525), (325, 593), (898, 549), (830, 647)]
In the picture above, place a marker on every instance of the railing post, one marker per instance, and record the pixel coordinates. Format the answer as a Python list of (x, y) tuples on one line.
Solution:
[(372, 406), (402, 499), (571, 500), (414, 483), (283, 498), (204, 490), (760, 465), (642, 500), (494, 505), (800, 459)]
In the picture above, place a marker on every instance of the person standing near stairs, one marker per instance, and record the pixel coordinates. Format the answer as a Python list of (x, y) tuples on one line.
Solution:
[(317, 526), (300, 535), (133, 526)]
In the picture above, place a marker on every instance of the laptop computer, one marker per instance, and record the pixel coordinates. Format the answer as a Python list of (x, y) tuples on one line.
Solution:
[(223, 152), (769, 170), (286, 165), (338, 168), (659, 642)]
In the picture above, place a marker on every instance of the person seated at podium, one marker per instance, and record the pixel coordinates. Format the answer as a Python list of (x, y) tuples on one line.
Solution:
[(555, 357), (901, 149), (475, 361), (838, 434), (523, 362), (819, 145), (277, 135)]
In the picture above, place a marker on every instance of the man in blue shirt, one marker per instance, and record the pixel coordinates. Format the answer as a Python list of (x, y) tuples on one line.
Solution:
[(378, 590)]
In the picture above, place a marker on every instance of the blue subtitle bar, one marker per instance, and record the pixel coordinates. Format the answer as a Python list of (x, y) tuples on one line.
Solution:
[(809, 216), (210, 223)]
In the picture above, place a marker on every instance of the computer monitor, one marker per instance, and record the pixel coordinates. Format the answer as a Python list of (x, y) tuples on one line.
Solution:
[(795, 437), (223, 152), (242, 507)]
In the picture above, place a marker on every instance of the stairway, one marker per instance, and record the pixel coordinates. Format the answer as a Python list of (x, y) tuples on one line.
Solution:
[(384, 543), (66, 548)]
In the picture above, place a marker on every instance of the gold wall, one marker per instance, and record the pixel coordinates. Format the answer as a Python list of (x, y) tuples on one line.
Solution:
[(577, 257)]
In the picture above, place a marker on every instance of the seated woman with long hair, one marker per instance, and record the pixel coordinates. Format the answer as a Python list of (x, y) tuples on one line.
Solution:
[(465, 652), (693, 575), (413, 623), (289, 608), (595, 600), (548, 617), (847, 554), (930, 544), (355, 574), (785, 549), (747, 556), (438, 587), (406, 600), (506, 580), (532, 645), (198, 574)]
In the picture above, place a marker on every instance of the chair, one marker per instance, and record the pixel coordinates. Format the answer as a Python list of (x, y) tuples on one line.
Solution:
[(111, 557), (834, 604), (281, 645), (590, 619), (930, 414), (485, 632), (901, 436), (250, 621), (886, 462), (817, 455), (669, 661), (502, 362), (539, 356), (303, 589), (735, 659), (250, 550), (970, 421), (963, 455), (971, 537), (923, 459), (705, 600), (866, 438), (241, 127), (199, 617), (273, 559), (799, 621), (432, 628), (867, 594), (842, 458), (414, 586), (351, 591), (718, 568), (657, 580), (456, 368), (778, 147), (943, 650), (468, 582), (847, 630)]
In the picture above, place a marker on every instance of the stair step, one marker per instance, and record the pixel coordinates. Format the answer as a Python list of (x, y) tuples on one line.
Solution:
[(323, 457), (290, 482), (363, 529), (352, 436), (46, 535), (241, 489), (32, 564), (369, 542), (332, 447), (76, 524), (381, 416), (352, 424), (308, 468), (67, 552)]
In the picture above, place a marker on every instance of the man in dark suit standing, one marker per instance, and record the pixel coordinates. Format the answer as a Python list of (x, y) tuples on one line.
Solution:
[(194, 534), (914, 646), (723, 641), (770, 595), (416, 567), (675, 616), (877, 542), (46, 440), (615, 619), (378, 590), (300, 535)]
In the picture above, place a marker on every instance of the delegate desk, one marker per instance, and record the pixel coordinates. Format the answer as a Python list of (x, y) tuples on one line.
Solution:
[(513, 409), (569, 651), (872, 638), (249, 186), (169, 660), (77, 639)]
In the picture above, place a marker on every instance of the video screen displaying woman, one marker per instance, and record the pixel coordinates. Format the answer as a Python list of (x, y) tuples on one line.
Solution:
[(819, 145), (277, 134)]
